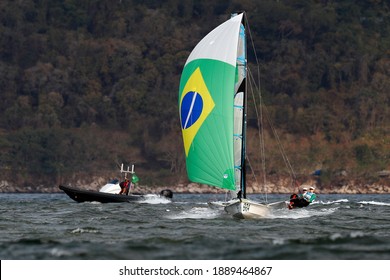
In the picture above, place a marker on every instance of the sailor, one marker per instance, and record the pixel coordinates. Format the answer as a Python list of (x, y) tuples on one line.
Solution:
[(299, 200), (310, 196), (125, 185)]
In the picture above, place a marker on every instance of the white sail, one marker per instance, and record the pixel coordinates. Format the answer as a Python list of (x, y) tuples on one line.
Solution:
[(213, 45)]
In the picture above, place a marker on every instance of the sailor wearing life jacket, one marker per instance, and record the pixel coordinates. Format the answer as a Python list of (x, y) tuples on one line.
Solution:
[(302, 200), (309, 196)]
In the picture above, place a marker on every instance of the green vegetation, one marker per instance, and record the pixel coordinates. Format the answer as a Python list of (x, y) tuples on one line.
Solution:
[(85, 85)]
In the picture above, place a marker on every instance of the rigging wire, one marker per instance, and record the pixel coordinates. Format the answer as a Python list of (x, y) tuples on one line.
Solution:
[(259, 114), (260, 131), (264, 112)]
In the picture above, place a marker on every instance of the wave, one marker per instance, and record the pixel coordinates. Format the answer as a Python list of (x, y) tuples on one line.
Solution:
[(338, 201), (374, 203), (333, 237), (300, 213), (84, 230), (155, 199), (353, 234), (56, 252), (197, 213)]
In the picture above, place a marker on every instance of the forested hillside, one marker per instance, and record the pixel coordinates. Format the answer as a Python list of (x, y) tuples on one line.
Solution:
[(86, 85)]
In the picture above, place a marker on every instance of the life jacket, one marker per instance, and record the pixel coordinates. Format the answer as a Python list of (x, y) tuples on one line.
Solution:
[(309, 197), (124, 184)]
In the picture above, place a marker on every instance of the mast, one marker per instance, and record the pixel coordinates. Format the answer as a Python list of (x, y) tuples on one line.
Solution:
[(244, 121), (239, 131)]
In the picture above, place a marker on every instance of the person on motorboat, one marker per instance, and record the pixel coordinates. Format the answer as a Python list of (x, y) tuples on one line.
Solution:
[(125, 186), (303, 199)]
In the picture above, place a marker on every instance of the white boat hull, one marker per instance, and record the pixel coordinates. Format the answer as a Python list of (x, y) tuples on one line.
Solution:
[(247, 209)]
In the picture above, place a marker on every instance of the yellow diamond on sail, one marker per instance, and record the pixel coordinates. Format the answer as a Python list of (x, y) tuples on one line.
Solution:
[(195, 106)]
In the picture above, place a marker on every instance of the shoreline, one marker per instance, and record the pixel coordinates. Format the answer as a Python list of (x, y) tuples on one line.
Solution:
[(193, 188)]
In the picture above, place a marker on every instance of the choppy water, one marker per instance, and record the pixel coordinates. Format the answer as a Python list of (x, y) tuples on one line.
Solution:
[(52, 226)]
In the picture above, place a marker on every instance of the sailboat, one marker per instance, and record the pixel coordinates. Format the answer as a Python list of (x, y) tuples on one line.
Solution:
[(212, 106)]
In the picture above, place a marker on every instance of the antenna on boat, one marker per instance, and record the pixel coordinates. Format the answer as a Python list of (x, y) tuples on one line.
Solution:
[(128, 170)]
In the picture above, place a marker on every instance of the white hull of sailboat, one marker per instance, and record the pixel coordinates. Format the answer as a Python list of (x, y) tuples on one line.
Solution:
[(247, 209)]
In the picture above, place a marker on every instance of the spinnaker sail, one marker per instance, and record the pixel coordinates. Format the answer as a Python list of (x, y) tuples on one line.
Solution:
[(208, 104)]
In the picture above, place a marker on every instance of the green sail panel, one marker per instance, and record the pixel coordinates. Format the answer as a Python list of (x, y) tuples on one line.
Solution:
[(206, 105)]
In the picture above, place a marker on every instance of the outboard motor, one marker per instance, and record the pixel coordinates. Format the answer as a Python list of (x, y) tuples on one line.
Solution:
[(166, 193)]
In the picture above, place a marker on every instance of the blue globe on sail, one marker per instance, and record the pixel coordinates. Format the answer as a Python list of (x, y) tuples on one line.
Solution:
[(191, 109)]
